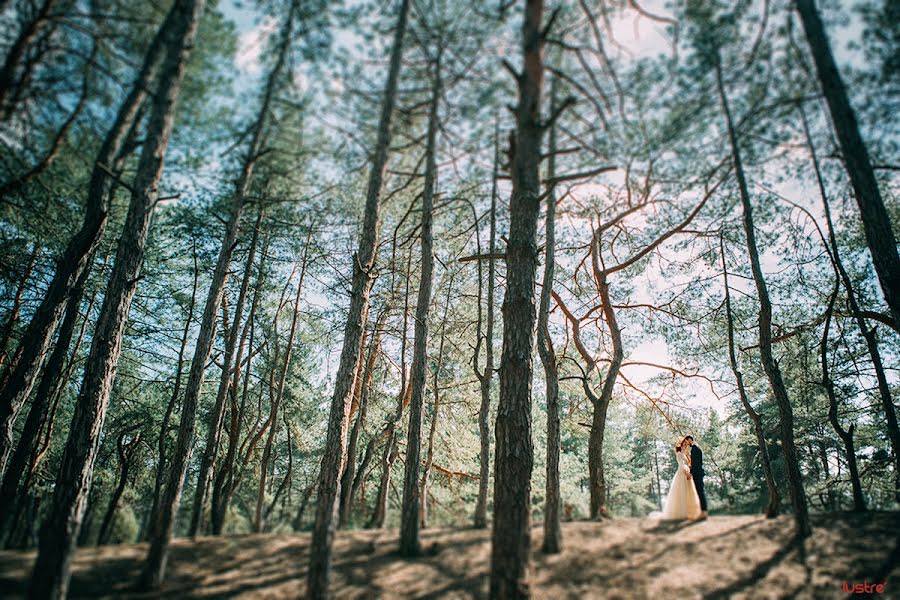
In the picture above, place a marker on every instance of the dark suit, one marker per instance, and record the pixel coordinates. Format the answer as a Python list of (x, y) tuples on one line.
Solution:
[(697, 473)]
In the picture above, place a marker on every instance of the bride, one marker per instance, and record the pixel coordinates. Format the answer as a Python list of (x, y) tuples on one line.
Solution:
[(682, 501)]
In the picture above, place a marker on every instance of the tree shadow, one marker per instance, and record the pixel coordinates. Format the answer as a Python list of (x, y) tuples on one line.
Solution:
[(672, 526), (883, 573), (355, 569), (631, 560), (242, 588), (761, 570), (473, 584), (697, 542)]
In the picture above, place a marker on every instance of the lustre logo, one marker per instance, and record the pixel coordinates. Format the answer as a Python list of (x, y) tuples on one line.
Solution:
[(863, 588)]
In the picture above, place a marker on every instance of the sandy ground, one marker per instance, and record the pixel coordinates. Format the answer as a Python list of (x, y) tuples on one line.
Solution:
[(724, 557)]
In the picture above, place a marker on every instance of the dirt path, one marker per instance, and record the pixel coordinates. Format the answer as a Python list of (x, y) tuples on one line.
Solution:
[(724, 557)]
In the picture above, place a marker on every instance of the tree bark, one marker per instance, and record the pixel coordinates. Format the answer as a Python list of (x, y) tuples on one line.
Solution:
[(13, 317), (170, 406), (389, 456), (56, 390), (486, 377), (297, 522), (774, 499), (246, 450), (363, 263), (162, 528), (436, 394), (770, 365), (552, 530), (361, 472), (59, 533), (599, 402), (216, 416), (125, 451), (511, 535), (379, 514), (28, 442), (224, 484), (349, 483), (597, 479), (409, 520), (286, 480), (875, 218), (846, 435)]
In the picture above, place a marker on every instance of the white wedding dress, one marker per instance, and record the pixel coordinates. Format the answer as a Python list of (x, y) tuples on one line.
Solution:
[(682, 501)]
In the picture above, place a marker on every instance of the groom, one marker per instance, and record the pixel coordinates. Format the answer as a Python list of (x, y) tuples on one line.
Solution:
[(697, 473)]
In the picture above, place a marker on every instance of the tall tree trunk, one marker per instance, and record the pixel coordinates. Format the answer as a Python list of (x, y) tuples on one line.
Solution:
[(223, 484), (286, 480), (770, 365), (657, 477), (50, 577), (389, 456), (875, 218), (13, 317), (511, 534), (164, 527), (774, 499), (597, 479), (125, 451), (599, 492), (389, 434), (884, 390), (361, 473), (258, 523), (379, 514), (409, 519), (55, 391), (80, 249), (349, 484), (297, 522), (170, 406), (436, 393), (359, 375), (90, 511), (552, 530), (363, 263), (216, 416), (846, 435), (248, 447), (486, 377), (37, 413)]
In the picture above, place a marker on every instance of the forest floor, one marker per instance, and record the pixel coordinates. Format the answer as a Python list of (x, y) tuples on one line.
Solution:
[(723, 557)]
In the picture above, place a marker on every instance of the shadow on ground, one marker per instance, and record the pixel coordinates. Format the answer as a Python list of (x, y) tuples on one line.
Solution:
[(723, 557)]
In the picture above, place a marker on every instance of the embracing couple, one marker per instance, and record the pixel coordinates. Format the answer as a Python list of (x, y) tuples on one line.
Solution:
[(687, 498)]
